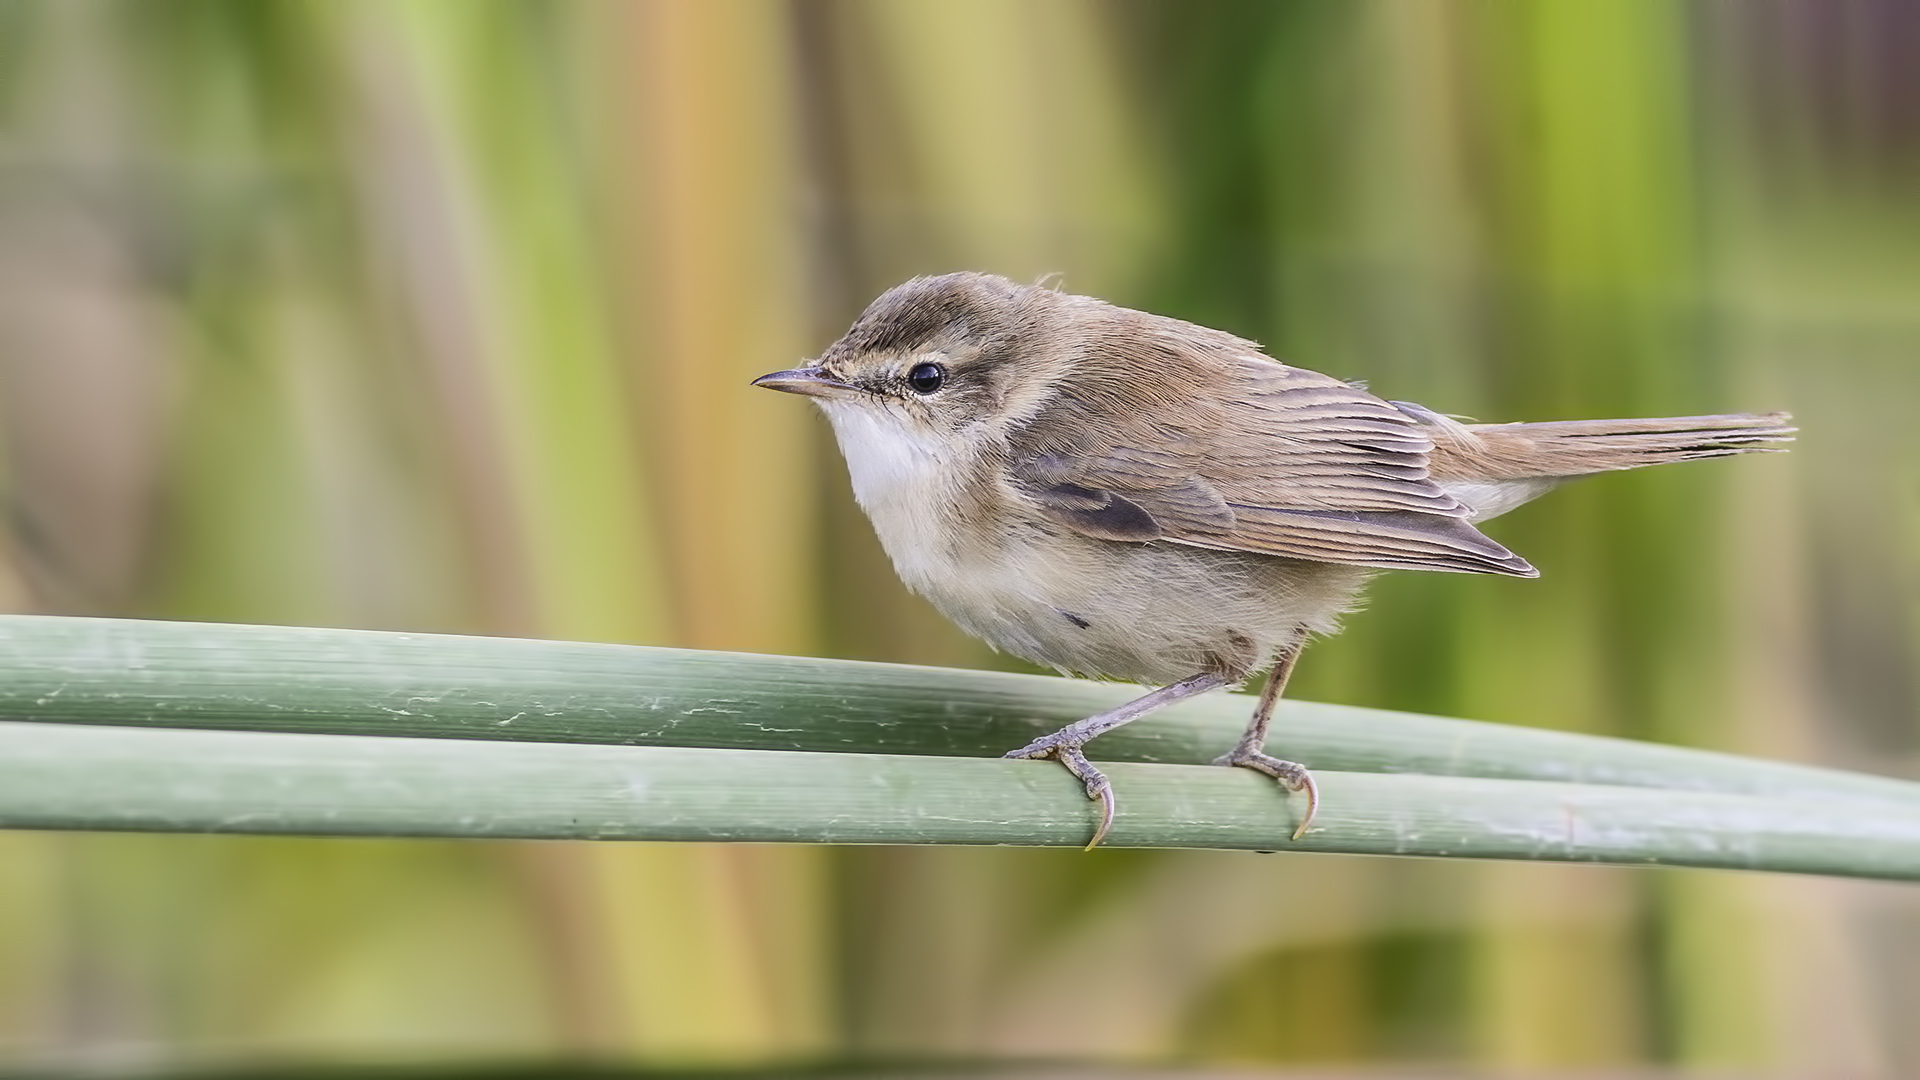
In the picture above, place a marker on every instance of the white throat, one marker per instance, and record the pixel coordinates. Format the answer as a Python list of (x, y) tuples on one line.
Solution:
[(892, 465)]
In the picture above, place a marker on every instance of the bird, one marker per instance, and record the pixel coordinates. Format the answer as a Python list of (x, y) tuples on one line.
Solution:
[(1118, 494)]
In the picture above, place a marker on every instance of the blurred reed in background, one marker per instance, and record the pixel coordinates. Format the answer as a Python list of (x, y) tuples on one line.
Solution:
[(439, 316)]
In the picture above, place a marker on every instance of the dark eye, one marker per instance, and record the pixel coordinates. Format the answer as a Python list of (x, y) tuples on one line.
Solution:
[(926, 378)]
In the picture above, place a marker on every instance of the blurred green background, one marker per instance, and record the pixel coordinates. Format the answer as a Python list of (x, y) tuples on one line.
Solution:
[(439, 315)]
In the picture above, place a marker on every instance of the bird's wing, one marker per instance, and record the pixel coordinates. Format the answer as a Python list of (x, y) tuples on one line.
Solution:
[(1289, 462)]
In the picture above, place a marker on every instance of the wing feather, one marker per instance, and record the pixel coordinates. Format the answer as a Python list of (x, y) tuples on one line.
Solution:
[(1288, 462)]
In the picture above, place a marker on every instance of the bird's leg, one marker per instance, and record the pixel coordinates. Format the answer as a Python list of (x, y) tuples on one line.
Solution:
[(1064, 745), (1251, 753)]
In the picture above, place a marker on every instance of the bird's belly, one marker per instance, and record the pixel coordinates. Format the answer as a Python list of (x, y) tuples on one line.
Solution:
[(1150, 612)]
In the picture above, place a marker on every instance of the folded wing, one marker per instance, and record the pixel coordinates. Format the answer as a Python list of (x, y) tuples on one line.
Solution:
[(1288, 462)]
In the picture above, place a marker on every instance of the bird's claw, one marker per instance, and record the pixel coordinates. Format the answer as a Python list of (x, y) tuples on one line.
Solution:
[(1097, 784), (1291, 774)]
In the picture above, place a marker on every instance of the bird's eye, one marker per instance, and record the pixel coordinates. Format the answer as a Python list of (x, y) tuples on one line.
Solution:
[(926, 378)]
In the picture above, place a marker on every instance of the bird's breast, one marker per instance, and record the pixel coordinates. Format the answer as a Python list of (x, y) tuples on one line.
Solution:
[(910, 484)]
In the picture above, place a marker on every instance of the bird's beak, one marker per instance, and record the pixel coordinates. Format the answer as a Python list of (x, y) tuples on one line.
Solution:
[(811, 381)]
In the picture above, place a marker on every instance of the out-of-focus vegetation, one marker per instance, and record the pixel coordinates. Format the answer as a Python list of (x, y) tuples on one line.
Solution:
[(438, 315)]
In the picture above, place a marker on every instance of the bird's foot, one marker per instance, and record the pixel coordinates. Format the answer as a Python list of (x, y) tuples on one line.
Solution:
[(1067, 752), (1291, 774)]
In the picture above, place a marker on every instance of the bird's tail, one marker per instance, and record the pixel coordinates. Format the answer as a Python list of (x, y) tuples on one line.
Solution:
[(1565, 448)]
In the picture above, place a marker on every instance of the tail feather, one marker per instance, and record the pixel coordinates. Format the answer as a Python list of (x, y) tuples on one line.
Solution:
[(1566, 448)]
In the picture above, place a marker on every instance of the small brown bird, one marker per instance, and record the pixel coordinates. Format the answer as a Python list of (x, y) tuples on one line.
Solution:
[(1109, 492)]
